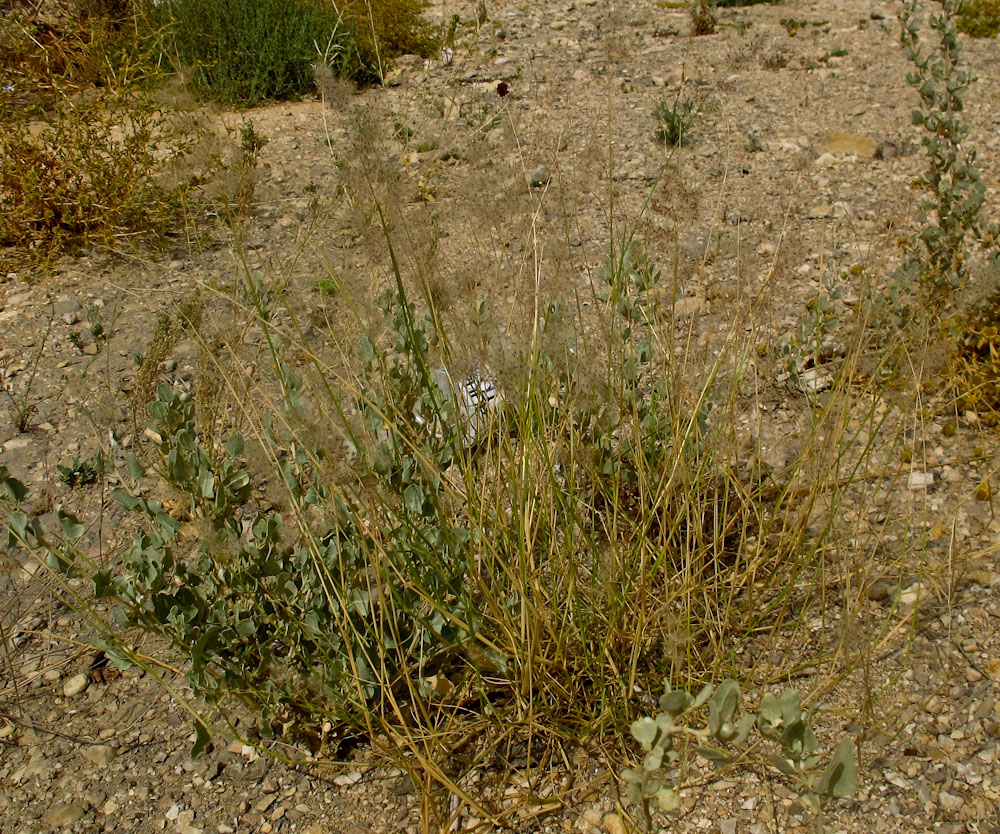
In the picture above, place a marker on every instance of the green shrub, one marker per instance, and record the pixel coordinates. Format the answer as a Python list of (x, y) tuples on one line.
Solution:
[(241, 52), (979, 18), (675, 120)]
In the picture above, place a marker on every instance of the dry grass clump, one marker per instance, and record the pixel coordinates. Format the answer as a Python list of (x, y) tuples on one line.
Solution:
[(703, 19), (976, 380), (83, 170), (82, 142)]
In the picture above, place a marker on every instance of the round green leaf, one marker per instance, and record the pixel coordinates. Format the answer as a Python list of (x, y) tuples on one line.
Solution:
[(644, 730)]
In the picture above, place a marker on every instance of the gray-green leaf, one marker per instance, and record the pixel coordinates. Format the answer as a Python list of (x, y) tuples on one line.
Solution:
[(743, 729), (783, 765), (366, 350), (841, 776), (644, 730), (675, 702), (722, 705), (413, 498), (135, 469), (713, 754), (668, 799), (770, 709), (202, 739), (72, 526)]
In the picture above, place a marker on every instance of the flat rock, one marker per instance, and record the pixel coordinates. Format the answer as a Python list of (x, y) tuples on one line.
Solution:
[(849, 143), (539, 176), (690, 305), (99, 754), (62, 816), (613, 824), (920, 480), (878, 591)]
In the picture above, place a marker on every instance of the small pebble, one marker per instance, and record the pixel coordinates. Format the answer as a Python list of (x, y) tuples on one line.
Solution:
[(76, 685), (878, 591), (539, 177)]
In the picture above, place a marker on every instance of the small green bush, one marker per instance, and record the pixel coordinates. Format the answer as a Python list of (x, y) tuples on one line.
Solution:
[(247, 51), (979, 18), (675, 120), (955, 195)]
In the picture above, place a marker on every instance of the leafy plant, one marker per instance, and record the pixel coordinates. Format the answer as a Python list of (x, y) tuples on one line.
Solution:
[(22, 408), (792, 25), (675, 119), (95, 318), (724, 739), (810, 355), (80, 473), (955, 191)]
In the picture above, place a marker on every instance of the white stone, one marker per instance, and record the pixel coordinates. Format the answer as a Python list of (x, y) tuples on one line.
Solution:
[(76, 685)]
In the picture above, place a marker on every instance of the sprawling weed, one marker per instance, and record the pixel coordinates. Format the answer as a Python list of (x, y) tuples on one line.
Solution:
[(782, 722), (523, 553)]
